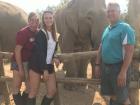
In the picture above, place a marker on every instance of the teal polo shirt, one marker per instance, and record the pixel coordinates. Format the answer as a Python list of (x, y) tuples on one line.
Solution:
[(113, 40)]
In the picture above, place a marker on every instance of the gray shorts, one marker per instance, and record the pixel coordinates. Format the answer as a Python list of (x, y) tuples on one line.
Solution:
[(109, 82)]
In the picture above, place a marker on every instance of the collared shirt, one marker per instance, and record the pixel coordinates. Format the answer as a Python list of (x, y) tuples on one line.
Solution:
[(25, 38), (113, 40)]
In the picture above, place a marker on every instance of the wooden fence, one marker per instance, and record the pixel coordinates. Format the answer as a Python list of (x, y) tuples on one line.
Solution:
[(134, 84)]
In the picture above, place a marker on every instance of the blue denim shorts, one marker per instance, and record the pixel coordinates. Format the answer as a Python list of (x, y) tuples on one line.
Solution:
[(14, 66), (109, 86)]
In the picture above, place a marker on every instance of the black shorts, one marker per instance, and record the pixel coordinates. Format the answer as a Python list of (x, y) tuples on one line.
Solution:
[(109, 86), (49, 68)]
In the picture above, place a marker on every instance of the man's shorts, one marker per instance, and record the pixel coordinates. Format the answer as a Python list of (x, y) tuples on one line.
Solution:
[(109, 86), (14, 66)]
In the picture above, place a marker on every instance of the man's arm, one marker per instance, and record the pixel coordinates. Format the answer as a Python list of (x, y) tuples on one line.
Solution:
[(129, 50), (97, 63), (98, 57), (18, 57)]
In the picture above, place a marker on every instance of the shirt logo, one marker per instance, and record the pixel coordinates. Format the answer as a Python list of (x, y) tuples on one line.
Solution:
[(32, 39)]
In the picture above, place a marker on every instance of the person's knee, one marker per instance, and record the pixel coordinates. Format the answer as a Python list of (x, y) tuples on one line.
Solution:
[(51, 92), (127, 102), (27, 89), (51, 85), (113, 97), (15, 90), (33, 92), (120, 101), (17, 86), (34, 83)]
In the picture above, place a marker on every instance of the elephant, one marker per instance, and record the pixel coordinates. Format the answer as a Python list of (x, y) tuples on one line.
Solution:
[(80, 25), (12, 18), (133, 18)]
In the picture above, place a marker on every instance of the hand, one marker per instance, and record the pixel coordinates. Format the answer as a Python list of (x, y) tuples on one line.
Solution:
[(97, 72), (46, 75), (121, 81), (56, 61)]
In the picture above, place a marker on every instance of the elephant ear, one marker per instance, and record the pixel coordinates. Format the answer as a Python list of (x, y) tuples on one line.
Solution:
[(59, 20), (71, 21), (12, 19)]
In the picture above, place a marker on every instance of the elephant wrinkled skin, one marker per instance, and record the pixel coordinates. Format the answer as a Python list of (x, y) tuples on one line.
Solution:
[(12, 19), (80, 25)]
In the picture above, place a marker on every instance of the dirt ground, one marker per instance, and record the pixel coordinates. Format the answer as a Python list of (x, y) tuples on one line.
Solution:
[(84, 95)]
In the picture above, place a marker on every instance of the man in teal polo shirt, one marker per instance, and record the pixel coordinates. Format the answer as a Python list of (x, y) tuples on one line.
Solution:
[(115, 54)]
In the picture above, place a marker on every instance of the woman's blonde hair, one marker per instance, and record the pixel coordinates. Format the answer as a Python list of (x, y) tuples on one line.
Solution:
[(53, 25)]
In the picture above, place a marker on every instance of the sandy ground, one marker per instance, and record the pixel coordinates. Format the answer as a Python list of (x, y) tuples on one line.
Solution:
[(83, 96)]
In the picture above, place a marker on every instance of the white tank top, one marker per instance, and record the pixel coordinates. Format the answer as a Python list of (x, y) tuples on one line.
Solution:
[(50, 48)]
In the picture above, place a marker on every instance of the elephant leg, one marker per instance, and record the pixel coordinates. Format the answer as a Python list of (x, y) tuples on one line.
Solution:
[(71, 72), (0, 48), (82, 68), (93, 66), (71, 68)]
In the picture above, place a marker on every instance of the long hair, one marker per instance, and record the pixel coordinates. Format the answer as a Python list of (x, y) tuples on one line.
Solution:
[(53, 25)]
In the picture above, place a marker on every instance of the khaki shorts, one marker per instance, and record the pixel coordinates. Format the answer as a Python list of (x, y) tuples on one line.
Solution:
[(14, 66), (109, 86)]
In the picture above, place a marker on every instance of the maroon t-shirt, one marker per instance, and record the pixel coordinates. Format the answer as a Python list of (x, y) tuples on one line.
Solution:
[(25, 37)]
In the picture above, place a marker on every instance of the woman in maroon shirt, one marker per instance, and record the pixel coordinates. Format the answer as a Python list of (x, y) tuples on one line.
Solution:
[(23, 50)]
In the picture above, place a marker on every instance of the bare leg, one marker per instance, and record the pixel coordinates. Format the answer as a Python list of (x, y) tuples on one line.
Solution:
[(17, 82), (34, 79), (51, 90), (34, 82), (51, 85)]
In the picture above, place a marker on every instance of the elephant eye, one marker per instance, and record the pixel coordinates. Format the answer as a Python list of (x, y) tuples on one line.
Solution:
[(89, 18)]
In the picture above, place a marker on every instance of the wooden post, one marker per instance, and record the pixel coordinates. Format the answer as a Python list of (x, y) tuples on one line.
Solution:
[(134, 92), (3, 84)]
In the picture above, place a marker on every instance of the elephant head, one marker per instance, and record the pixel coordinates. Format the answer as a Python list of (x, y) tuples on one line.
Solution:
[(92, 20), (80, 25), (12, 19), (85, 19)]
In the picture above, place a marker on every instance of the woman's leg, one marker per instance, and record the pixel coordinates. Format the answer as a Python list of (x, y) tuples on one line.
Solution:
[(17, 82), (34, 82), (51, 89)]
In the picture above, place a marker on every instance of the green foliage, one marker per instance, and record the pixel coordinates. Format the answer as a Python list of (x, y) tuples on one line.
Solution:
[(63, 4)]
